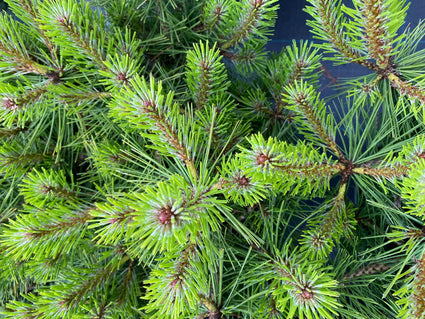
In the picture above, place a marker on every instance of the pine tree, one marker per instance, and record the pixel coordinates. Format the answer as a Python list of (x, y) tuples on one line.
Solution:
[(157, 162)]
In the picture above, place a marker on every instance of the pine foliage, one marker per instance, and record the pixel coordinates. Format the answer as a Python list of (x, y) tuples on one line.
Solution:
[(157, 162)]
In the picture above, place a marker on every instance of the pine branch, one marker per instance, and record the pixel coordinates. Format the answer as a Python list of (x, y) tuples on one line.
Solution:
[(29, 8), (75, 25), (301, 287), (418, 297), (111, 221), (414, 92), (308, 170), (137, 212), (129, 285), (304, 62), (47, 188), (80, 97), (205, 74), (383, 172), (413, 293), (14, 49), (413, 189), (367, 270), (374, 17), (248, 57), (108, 157), (29, 97), (21, 310), (10, 132), (303, 100), (119, 71), (289, 168), (147, 107), (254, 14), (324, 231), (42, 234), (235, 184), (77, 287), (256, 103), (374, 28), (174, 283), (20, 104), (13, 160), (73, 297), (170, 213), (295, 63), (328, 26), (214, 14)]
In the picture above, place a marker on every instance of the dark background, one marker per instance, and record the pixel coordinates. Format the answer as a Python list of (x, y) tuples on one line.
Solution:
[(291, 20), (291, 24)]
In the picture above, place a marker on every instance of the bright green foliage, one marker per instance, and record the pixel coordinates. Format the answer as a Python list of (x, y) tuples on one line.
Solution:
[(239, 186), (147, 106), (248, 18), (171, 214), (289, 168), (311, 111), (176, 284), (45, 234), (297, 287), (413, 189), (205, 74), (111, 220), (47, 188), (20, 102), (305, 291), (296, 62), (370, 27), (107, 157), (17, 46), (16, 158), (157, 162), (333, 221), (375, 26)]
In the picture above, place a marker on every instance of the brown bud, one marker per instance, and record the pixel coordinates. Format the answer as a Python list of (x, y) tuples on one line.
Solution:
[(122, 77), (306, 294), (243, 181), (10, 104), (262, 159), (165, 214)]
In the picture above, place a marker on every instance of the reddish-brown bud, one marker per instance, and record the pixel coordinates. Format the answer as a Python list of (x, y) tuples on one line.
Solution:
[(147, 104), (113, 220), (306, 294), (10, 104), (165, 214), (262, 159), (122, 77), (46, 189), (258, 3), (243, 181), (174, 282), (63, 20)]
